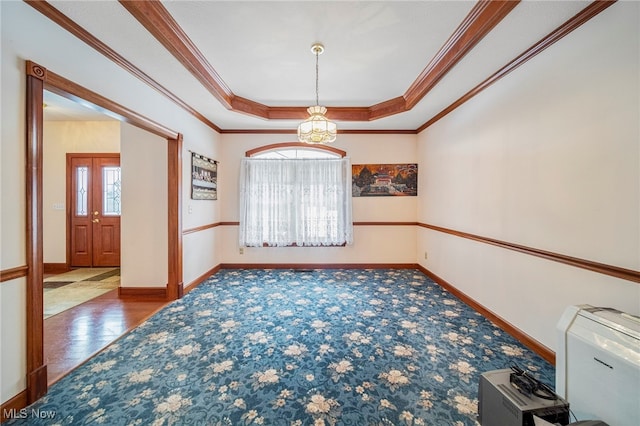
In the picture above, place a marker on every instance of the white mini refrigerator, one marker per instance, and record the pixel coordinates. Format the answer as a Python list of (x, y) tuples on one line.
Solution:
[(598, 364)]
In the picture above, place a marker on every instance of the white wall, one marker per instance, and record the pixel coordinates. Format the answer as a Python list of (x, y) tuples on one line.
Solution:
[(48, 45), (372, 244), (549, 158), (202, 249), (60, 138)]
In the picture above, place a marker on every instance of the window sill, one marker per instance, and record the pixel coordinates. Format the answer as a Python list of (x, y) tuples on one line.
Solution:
[(296, 245)]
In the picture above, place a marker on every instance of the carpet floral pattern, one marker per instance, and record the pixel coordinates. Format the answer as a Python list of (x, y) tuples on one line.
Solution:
[(293, 348)]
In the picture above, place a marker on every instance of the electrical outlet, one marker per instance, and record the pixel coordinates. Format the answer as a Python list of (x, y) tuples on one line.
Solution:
[(241, 250), (425, 255)]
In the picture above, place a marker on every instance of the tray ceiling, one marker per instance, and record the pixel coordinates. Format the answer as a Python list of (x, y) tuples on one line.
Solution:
[(260, 67)]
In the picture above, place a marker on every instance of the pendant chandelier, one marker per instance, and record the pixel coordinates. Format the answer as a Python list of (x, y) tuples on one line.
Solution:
[(317, 129)]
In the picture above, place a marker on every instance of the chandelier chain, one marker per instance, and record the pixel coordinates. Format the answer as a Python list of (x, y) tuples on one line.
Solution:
[(317, 84)]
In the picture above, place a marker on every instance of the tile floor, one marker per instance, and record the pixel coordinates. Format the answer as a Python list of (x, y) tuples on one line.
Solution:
[(63, 291)]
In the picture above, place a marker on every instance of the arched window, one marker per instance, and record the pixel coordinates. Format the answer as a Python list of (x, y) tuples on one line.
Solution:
[(295, 195), (295, 150)]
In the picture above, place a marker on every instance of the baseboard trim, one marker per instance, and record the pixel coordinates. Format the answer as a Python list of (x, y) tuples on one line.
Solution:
[(11, 407), (546, 353), (37, 384), (318, 265), (202, 278), (56, 268), (143, 293), (180, 290)]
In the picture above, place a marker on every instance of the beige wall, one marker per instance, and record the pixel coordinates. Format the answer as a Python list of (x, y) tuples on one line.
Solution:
[(60, 138), (143, 233), (54, 48), (548, 158), (372, 244)]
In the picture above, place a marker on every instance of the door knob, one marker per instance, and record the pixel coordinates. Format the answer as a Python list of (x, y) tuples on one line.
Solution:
[(96, 213), (95, 220)]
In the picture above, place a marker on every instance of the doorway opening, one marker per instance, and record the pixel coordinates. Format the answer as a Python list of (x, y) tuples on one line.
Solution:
[(72, 132), (38, 80)]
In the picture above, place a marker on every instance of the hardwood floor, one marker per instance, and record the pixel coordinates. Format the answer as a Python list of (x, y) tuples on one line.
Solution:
[(75, 335)]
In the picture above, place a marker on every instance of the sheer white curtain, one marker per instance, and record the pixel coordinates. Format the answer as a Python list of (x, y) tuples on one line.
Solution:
[(306, 202)]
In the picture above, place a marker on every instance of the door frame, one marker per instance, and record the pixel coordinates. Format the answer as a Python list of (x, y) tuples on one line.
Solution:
[(38, 78), (69, 193)]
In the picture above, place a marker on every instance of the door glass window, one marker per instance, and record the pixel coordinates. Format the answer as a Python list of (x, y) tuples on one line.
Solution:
[(111, 191), (82, 181)]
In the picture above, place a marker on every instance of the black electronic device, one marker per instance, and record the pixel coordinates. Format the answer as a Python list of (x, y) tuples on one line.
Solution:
[(502, 403)]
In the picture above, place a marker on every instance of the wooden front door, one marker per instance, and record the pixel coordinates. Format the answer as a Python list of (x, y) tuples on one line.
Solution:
[(94, 200)]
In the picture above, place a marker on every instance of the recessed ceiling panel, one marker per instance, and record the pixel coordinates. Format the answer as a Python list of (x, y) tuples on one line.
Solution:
[(374, 50)]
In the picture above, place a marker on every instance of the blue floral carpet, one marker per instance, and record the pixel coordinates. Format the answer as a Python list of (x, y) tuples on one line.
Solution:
[(282, 347)]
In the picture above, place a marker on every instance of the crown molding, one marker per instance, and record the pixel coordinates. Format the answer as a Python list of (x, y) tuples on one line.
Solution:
[(62, 20), (484, 16), (340, 132), (159, 22), (567, 27)]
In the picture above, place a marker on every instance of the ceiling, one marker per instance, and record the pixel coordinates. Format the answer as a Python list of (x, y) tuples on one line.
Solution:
[(58, 108), (388, 65)]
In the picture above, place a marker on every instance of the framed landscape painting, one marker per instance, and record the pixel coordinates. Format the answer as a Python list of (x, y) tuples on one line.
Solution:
[(384, 180)]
